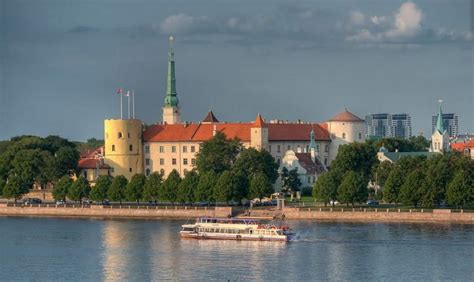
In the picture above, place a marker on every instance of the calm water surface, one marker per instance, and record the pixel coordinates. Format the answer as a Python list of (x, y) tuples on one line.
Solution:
[(137, 250)]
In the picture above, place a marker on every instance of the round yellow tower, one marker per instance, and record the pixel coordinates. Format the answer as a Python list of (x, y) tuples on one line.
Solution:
[(123, 146)]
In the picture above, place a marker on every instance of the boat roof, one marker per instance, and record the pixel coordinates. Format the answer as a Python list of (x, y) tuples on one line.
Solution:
[(230, 220)]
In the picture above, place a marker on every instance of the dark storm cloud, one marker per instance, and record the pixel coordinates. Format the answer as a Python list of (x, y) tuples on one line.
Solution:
[(62, 61)]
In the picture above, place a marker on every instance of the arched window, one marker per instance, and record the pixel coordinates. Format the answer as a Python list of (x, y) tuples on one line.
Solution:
[(113, 148), (119, 135), (131, 148)]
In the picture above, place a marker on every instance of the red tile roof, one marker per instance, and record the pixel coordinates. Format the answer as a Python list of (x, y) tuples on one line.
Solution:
[(307, 163), (92, 164), (346, 116), (202, 132), (461, 146), (259, 122)]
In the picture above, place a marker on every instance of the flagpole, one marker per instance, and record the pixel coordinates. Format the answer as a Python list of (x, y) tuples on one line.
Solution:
[(121, 106), (128, 97), (133, 104)]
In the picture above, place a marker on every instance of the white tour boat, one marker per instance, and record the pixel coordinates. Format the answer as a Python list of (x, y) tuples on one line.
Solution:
[(236, 229)]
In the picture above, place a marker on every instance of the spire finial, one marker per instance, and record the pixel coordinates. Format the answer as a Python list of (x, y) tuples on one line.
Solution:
[(171, 99)]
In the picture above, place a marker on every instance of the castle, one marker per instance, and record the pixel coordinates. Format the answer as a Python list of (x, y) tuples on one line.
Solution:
[(173, 144)]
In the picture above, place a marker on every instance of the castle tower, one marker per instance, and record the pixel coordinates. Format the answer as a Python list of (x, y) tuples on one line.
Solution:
[(171, 111), (440, 137), (345, 128), (259, 134), (123, 146)]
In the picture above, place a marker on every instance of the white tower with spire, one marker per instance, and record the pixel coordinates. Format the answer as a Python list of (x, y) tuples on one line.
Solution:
[(440, 137)]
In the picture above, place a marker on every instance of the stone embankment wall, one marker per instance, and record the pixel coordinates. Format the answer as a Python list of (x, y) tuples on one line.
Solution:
[(107, 211), (441, 215)]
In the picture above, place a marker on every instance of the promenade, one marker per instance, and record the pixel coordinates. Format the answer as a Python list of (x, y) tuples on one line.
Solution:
[(295, 213)]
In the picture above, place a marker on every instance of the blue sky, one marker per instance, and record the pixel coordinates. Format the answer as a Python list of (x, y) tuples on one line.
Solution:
[(61, 61)]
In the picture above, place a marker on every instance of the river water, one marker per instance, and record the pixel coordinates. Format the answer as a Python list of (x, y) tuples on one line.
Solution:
[(139, 250)]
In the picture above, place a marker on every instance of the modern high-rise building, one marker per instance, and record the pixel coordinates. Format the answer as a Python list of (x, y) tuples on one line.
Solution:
[(388, 125), (450, 123)]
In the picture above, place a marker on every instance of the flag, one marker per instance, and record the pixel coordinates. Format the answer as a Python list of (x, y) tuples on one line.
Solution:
[(119, 91)]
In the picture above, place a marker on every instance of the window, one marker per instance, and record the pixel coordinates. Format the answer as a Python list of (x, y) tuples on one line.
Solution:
[(326, 148), (309, 179), (162, 149), (360, 136), (185, 149), (173, 161), (130, 169), (307, 148), (317, 147), (113, 148), (193, 149), (193, 161), (343, 135), (185, 161), (120, 135), (289, 147), (84, 173), (147, 172), (185, 171), (147, 149), (162, 161), (173, 149), (278, 161), (130, 148), (147, 161), (162, 171), (128, 134), (278, 149), (111, 169), (325, 161)]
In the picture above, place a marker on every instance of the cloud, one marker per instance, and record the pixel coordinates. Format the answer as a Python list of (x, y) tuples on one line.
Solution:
[(404, 26), (357, 18), (184, 24)]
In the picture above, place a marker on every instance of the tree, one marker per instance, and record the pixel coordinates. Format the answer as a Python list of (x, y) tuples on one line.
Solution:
[(325, 188), (61, 188), (252, 162), (410, 191), (290, 179), (170, 186), (66, 161), (205, 187), (99, 191), (260, 186), (116, 190), (240, 185), (223, 189), (15, 188), (218, 154), (153, 186), (79, 189), (353, 188), (394, 182), (382, 172), (2, 185), (357, 157), (460, 190), (186, 187), (134, 189)]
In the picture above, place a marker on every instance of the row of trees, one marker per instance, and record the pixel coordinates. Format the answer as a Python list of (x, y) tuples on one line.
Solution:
[(26, 160), (417, 181)]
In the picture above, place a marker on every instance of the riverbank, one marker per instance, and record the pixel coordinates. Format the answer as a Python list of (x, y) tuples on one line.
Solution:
[(376, 215)]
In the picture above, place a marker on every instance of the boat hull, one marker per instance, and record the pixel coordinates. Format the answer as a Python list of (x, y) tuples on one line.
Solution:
[(243, 237)]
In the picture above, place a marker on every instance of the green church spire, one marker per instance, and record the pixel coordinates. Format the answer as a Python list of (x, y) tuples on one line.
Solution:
[(171, 99), (439, 122)]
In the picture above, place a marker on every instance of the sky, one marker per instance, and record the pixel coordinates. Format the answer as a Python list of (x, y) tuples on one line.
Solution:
[(61, 61)]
